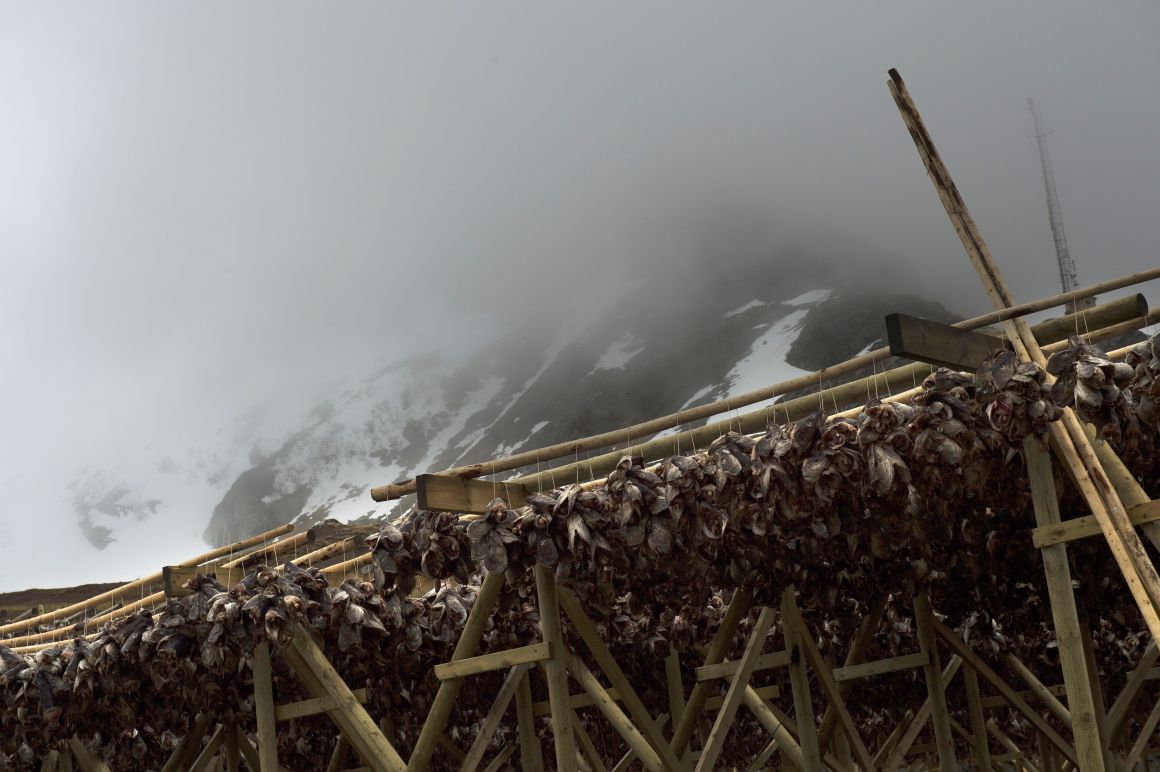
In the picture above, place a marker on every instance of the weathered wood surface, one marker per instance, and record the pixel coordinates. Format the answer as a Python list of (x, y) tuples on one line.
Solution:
[(939, 344), (491, 721), (496, 660), (555, 670), (1087, 526), (448, 493), (313, 706)]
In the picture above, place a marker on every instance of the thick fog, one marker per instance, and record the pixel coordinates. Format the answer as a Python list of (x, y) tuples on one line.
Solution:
[(215, 205)]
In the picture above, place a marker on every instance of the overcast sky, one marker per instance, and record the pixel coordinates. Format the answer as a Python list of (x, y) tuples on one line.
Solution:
[(206, 204)]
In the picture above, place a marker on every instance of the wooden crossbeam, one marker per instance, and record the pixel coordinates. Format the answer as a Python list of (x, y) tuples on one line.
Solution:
[(496, 660), (531, 755), (715, 743), (939, 344), (491, 722), (315, 671), (209, 753), (621, 722), (313, 706), (1087, 526), (447, 493), (728, 669), (892, 754)]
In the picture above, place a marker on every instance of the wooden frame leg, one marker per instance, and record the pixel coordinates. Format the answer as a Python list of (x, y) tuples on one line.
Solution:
[(980, 748), (531, 754), (555, 670), (803, 705), (939, 716)]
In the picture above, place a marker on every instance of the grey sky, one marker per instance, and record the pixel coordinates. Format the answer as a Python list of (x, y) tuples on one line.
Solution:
[(209, 203)]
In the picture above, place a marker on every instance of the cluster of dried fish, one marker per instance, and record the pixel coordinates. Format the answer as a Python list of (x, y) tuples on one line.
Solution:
[(929, 495)]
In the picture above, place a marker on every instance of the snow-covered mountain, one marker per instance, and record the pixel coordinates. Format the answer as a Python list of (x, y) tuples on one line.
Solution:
[(551, 379)]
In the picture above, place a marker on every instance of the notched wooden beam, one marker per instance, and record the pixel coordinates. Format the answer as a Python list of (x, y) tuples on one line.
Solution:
[(939, 344), (447, 493)]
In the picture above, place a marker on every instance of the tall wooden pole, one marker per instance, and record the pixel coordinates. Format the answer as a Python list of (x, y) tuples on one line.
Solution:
[(939, 716), (556, 670)]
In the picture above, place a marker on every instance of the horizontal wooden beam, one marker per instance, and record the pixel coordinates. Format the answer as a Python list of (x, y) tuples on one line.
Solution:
[(447, 493), (1086, 526), (313, 706), (878, 667), (496, 660), (727, 669), (989, 703), (577, 701), (939, 344)]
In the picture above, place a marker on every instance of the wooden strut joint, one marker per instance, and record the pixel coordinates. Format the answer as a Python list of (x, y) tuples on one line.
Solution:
[(607, 663), (991, 677), (620, 722), (854, 658), (587, 746), (209, 752), (555, 670), (444, 700), (491, 722), (1087, 526), (496, 660), (319, 676), (715, 743), (803, 706), (1070, 440), (894, 753), (830, 687), (313, 706), (1147, 734), (718, 649)]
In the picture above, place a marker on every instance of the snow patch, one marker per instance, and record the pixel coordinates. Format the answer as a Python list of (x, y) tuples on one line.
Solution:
[(765, 363), (698, 394), (810, 298), (620, 353), (743, 308)]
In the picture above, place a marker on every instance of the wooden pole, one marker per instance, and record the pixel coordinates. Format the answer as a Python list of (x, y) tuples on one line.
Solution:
[(449, 689), (856, 654), (676, 688), (606, 705), (555, 670), (1117, 716), (264, 708), (803, 704), (718, 649), (491, 722), (940, 718), (783, 738), (232, 752), (531, 756)]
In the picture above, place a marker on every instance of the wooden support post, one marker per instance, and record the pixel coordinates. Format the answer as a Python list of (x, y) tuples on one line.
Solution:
[(980, 749), (491, 722), (500, 759), (1081, 700), (607, 663), (803, 704), (1048, 761), (85, 758), (891, 741), (531, 756), (1009, 744), (65, 761), (940, 718), (1093, 674), (555, 670), (320, 677), (718, 650), (782, 737), (854, 657), (496, 660), (250, 753), (264, 707), (630, 756), (989, 675), (1147, 734), (448, 690), (1117, 716), (1039, 690), (830, 687)]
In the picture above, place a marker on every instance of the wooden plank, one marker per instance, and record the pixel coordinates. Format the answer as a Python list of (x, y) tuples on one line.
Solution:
[(1087, 526), (531, 756), (630, 756), (939, 344), (230, 748), (878, 667), (496, 660), (1038, 688), (250, 753), (313, 706), (906, 738), (608, 665), (727, 669), (782, 737), (734, 696), (939, 716), (830, 687), (1147, 734), (991, 677), (1118, 714), (1082, 711), (487, 730), (264, 707), (208, 755), (555, 669), (448, 493), (980, 750), (619, 720), (444, 701), (320, 677), (854, 657), (1010, 745), (500, 759), (738, 608), (85, 758), (799, 683)]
